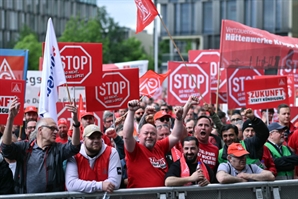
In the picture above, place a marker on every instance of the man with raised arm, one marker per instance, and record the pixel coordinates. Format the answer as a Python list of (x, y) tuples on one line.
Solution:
[(39, 162), (146, 164)]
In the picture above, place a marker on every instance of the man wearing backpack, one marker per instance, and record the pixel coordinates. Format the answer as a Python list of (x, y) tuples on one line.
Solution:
[(236, 169)]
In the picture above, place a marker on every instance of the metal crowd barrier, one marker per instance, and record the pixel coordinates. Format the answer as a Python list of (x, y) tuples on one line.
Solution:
[(282, 189)]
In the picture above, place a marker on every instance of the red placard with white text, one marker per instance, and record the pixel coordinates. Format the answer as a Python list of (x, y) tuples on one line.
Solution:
[(241, 45), (82, 63), (116, 89), (291, 87), (8, 90), (236, 78), (185, 81), (266, 92)]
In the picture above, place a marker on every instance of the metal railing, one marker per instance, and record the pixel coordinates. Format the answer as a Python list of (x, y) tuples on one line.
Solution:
[(249, 190)]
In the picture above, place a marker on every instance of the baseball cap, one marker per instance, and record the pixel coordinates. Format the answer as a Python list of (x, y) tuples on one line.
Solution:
[(160, 114), (275, 126), (85, 113), (236, 149), (91, 129), (30, 109), (246, 124), (62, 121)]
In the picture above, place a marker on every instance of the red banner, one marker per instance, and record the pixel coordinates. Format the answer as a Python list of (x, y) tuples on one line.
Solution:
[(116, 89), (185, 81), (8, 90), (82, 63), (242, 45), (266, 92), (236, 78), (151, 83)]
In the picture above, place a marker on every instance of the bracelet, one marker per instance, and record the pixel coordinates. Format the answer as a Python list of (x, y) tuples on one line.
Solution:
[(76, 125)]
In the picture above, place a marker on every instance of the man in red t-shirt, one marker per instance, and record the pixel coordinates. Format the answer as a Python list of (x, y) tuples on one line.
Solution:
[(146, 164), (207, 151), (63, 129)]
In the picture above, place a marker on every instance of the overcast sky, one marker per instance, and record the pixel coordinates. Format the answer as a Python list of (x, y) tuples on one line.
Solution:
[(124, 12)]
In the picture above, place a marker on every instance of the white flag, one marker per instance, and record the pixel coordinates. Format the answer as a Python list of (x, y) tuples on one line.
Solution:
[(52, 75)]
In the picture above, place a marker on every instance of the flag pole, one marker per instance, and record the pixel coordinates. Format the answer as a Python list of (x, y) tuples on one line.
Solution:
[(217, 89), (178, 51), (68, 93)]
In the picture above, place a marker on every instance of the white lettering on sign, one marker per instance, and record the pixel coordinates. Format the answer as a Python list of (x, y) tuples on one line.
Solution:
[(185, 81), (265, 96), (238, 83), (112, 88), (291, 65), (213, 68), (74, 62), (5, 100)]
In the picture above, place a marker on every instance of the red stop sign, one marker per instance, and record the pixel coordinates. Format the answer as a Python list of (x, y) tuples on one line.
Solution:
[(236, 92), (82, 63), (181, 84), (76, 63), (116, 89)]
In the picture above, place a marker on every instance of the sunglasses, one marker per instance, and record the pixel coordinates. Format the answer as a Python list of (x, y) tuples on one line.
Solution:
[(167, 119)]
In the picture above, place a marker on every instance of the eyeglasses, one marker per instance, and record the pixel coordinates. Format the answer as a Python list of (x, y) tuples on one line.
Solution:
[(53, 128), (109, 121), (236, 119), (160, 126), (139, 113), (164, 119), (31, 127)]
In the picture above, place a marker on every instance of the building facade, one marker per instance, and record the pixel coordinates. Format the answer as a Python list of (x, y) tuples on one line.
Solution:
[(196, 24), (14, 14)]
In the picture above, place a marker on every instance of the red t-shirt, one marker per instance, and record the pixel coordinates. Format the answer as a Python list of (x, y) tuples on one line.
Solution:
[(147, 168), (293, 143), (208, 154)]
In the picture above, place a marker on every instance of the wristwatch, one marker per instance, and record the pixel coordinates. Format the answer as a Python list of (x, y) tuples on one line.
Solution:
[(76, 125)]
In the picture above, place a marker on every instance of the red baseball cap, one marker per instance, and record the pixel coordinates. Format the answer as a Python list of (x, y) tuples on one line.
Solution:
[(160, 114), (85, 113), (236, 149), (62, 121), (30, 109)]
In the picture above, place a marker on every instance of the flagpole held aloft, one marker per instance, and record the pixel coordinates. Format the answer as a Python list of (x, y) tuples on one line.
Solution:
[(178, 51)]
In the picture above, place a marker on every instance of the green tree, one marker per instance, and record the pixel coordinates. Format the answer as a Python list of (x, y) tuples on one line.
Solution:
[(31, 43)]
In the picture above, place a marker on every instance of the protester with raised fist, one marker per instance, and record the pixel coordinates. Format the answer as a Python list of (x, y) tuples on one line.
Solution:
[(41, 158), (149, 153)]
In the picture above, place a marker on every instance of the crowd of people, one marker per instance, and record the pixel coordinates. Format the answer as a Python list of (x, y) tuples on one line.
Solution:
[(148, 144)]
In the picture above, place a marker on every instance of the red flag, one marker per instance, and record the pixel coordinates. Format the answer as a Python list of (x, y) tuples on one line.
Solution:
[(81, 107), (146, 14), (151, 83)]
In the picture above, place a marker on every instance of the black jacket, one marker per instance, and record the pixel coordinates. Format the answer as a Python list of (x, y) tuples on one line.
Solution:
[(6, 178)]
